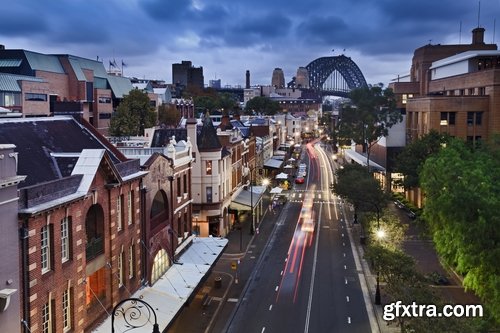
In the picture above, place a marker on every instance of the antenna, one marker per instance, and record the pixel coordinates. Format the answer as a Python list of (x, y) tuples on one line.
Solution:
[(460, 34), (494, 29), (478, 13)]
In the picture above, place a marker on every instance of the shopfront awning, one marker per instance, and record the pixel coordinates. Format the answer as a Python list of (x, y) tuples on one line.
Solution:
[(169, 295), (282, 176), (273, 163), (361, 159), (276, 190), (247, 199)]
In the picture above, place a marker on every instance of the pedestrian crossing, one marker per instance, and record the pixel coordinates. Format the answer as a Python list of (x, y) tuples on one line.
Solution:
[(318, 196)]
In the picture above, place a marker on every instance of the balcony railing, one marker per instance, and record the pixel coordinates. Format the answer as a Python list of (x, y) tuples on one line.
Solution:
[(94, 247)]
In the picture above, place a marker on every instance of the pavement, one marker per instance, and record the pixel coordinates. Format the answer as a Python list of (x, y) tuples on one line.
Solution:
[(217, 297)]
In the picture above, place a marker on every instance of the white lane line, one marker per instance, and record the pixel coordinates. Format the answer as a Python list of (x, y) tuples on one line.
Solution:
[(263, 329), (345, 266), (343, 243), (348, 320), (344, 255), (347, 299), (343, 235), (276, 289), (282, 271), (270, 307), (311, 288), (345, 280)]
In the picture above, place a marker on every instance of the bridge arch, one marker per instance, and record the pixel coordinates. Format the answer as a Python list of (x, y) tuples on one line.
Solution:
[(335, 75)]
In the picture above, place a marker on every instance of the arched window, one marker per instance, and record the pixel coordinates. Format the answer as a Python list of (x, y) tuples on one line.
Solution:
[(160, 265), (94, 228), (159, 209)]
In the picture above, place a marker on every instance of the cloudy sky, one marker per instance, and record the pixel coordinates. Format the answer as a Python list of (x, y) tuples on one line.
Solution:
[(228, 37)]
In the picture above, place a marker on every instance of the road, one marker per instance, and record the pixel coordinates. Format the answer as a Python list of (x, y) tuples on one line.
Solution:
[(306, 278)]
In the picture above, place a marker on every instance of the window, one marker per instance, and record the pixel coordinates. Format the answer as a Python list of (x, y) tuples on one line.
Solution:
[(35, 97), (178, 186), (45, 248), (65, 231), (209, 194), (120, 269), (130, 207), (131, 261), (470, 118), (47, 318), (479, 118), (185, 183), (66, 307), (10, 99), (119, 212), (447, 118), (105, 99), (451, 118), (208, 167), (160, 265), (474, 118)]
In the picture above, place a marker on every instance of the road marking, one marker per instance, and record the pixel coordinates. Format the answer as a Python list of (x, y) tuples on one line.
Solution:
[(342, 234), (345, 266), (270, 307), (347, 298), (277, 287), (281, 273), (344, 255), (348, 320), (343, 243), (263, 329), (252, 257), (345, 280), (232, 300)]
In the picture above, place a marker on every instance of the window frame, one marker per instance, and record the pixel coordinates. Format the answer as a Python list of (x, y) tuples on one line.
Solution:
[(66, 308), (45, 249)]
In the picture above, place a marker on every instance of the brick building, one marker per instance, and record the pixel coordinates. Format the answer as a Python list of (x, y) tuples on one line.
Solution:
[(79, 209)]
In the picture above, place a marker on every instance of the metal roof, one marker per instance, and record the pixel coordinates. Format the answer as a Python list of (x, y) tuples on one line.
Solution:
[(43, 62), (10, 82), (78, 64), (119, 85), (10, 62)]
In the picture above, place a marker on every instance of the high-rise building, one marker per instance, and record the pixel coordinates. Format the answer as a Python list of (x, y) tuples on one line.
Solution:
[(278, 79), (247, 81), (302, 78), (185, 74)]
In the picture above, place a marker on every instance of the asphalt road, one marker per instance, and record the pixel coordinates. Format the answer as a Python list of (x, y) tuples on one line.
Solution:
[(305, 280)]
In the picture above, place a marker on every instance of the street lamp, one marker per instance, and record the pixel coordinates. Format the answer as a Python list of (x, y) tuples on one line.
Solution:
[(380, 234), (137, 315)]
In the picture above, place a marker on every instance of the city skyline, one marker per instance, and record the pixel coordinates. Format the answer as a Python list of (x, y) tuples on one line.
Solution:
[(230, 37)]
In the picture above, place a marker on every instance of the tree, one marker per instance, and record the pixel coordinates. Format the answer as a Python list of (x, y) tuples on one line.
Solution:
[(394, 231), (132, 115), (262, 105), (411, 160), (462, 187), (358, 187), (168, 115), (368, 116)]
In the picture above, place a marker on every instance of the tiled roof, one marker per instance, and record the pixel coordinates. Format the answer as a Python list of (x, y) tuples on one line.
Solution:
[(9, 82), (207, 139), (48, 147)]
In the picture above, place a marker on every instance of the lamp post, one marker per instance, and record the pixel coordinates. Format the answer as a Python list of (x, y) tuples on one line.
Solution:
[(379, 234), (137, 315)]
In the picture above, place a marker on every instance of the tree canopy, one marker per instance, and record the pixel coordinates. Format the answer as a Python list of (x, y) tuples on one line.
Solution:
[(356, 185), (462, 187), (168, 115), (262, 105), (411, 160), (368, 116), (132, 115)]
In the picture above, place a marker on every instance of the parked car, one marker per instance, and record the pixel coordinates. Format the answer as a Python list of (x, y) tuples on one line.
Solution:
[(299, 180), (399, 204)]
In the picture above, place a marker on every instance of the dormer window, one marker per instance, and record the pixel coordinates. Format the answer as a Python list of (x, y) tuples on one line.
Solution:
[(208, 167)]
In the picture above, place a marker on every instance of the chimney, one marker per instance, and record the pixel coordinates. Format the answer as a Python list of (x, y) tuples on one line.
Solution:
[(478, 36), (247, 85)]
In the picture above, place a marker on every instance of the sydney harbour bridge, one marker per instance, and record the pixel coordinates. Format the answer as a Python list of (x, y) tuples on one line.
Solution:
[(328, 76), (334, 76)]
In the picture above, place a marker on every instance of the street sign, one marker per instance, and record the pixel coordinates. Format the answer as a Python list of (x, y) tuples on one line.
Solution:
[(233, 265)]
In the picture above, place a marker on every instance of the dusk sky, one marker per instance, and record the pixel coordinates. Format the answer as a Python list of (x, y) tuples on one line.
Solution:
[(228, 37)]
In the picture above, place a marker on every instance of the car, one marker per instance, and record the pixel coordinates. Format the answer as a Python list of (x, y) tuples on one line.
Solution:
[(299, 180), (307, 225), (399, 204), (411, 215)]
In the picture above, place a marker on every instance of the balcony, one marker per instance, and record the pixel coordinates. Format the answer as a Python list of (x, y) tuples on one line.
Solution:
[(94, 248)]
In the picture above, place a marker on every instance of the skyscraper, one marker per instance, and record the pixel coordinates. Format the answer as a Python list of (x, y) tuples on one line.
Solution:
[(185, 74), (278, 79)]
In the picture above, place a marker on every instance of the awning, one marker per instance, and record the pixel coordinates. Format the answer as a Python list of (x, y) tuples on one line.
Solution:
[(170, 293), (247, 199), (273, 163), (361, 159), (282, 176), (288, 166), (276, 190)]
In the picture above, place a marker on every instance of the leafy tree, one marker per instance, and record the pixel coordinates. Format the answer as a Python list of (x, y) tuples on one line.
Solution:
[(411, 160), (393, 230), (368, 116), (462, 189), (168, 115), (132, 115), (262, 105), (358, 187)]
